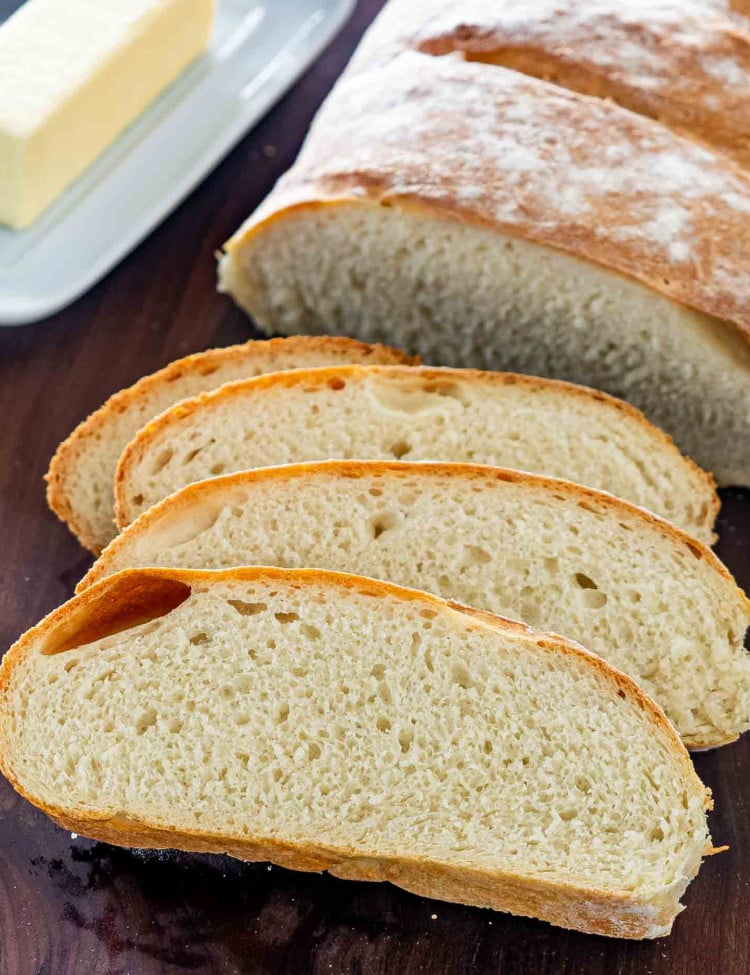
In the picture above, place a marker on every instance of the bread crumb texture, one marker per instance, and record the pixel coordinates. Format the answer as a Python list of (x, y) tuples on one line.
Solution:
[(371, 723), (416, 414), (648, 599)]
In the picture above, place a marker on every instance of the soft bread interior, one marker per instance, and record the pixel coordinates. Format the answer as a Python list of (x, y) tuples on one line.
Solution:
[(650, 600), (336, 715), (415, 414), (462, 295)]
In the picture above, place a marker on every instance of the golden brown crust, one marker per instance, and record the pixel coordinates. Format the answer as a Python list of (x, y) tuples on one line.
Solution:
[(611, 912), (568, 171), (63, 464), (608, 913), (686, 65), (319, 377)]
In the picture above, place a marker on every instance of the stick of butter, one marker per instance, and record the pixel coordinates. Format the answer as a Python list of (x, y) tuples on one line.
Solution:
[(73, 74)]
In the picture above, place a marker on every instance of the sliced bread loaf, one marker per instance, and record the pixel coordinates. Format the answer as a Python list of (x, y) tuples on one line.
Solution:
[(325, 721), (81, 474), (648, 598), (385, 412), (487, 218)]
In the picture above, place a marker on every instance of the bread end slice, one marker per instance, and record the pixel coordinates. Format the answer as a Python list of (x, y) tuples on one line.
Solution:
[(326, 721), (82, 471)]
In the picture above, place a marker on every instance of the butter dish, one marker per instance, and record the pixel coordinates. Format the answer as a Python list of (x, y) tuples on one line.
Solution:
[(258, 50)]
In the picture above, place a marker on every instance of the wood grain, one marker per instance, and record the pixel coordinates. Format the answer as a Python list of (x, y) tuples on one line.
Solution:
[(72, 907)]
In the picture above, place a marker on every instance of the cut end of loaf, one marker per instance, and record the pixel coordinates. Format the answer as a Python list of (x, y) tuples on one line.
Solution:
[(468, 295), (319, 719)]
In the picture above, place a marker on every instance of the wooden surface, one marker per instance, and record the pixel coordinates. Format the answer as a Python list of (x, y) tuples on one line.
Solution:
[(68, 905)]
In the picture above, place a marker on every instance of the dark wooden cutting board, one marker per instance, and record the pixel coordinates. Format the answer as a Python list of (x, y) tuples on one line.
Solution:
[(69, 906)]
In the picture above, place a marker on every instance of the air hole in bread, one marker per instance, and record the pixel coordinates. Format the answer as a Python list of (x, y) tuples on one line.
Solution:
[(162, 460), (286, 617), (584, 581), (124, 604), (382, 523), (592, 599), (245, 608), (587, 506), (189, 457), (198, 639), (448, 389), (445, 586), (405, 738), (400, 449), (460, 674), (398, 397), (336, 383), (218, 469), (145, 721), (476, 555)]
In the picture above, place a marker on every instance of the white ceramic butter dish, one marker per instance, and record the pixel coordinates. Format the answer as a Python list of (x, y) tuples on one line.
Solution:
[(257, 52)]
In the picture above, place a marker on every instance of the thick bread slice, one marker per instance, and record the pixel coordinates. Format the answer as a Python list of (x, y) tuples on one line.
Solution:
[(326, 721), (486, 218), (80, 476), (385, 412), (648, 598)]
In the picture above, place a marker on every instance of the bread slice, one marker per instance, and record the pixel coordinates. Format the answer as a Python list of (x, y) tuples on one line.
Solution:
[(386, 412), (648, 598), (80, 476), (325, 721), (486, 218)]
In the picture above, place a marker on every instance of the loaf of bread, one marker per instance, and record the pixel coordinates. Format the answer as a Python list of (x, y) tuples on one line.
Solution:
[(328, 722), (82, 472), (485, 216), (648, 598), (684, 63), (387, 412)]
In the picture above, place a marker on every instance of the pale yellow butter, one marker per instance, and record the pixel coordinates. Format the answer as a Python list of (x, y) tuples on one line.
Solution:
[(73, 74)]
